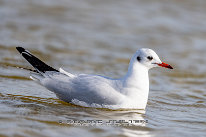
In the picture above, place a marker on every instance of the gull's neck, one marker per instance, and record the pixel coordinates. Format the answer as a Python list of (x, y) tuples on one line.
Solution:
[(137, 77)]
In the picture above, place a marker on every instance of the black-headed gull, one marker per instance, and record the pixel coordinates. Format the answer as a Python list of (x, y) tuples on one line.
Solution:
[(130, 91)]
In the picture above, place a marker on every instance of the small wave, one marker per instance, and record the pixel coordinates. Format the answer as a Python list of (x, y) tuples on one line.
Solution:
[(15, 77)]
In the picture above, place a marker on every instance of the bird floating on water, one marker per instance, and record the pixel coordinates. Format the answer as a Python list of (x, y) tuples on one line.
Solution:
[(130, 91)]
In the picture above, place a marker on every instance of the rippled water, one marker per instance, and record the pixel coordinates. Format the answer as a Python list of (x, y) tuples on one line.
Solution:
[(99, 37)]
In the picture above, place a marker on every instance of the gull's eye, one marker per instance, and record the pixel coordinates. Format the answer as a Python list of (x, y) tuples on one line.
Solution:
[(150, 57)]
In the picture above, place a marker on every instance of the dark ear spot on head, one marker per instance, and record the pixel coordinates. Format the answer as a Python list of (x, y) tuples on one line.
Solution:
[(139, 58)]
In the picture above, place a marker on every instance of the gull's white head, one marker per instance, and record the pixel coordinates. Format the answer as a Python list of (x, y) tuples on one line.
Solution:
[(147, 58)]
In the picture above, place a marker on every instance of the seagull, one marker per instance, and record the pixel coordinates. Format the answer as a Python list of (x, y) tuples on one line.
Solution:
[(129, 92)]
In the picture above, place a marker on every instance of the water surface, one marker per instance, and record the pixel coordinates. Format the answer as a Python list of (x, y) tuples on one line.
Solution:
[(99, 37)]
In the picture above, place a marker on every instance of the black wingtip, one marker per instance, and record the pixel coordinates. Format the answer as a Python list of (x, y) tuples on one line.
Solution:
[(20, 49), (39, 65)]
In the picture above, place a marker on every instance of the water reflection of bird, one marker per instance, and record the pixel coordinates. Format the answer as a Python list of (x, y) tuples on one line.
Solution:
[(130, 91)]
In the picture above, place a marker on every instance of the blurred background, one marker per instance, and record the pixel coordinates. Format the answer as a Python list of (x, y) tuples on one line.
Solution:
[(99, 37)]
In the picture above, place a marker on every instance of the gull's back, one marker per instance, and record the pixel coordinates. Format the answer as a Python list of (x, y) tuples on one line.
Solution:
[(87, 88)]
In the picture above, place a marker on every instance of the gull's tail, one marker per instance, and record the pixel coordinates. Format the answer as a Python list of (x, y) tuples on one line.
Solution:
[(40, 66)]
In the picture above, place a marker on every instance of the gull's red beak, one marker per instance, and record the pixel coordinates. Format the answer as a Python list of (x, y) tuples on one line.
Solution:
[(165, 65)]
